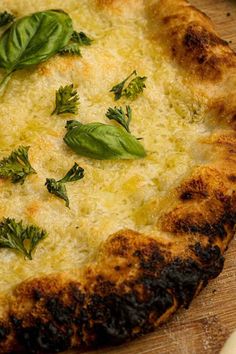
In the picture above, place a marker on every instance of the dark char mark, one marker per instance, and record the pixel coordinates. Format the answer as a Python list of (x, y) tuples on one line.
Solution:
[(44, 338), (4, 331), (114, 314)]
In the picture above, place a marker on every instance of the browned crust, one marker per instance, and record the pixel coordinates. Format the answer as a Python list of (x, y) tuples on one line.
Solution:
[(138, 282), (190, 39)]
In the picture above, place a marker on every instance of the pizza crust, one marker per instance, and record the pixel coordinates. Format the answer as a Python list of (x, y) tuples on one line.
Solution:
[(138, 282), (191, 41)]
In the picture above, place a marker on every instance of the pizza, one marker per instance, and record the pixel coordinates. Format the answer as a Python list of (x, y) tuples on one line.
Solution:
[(146, 90)]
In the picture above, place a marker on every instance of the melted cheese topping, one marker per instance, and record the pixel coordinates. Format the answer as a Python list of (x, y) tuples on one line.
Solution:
[(113, 195)]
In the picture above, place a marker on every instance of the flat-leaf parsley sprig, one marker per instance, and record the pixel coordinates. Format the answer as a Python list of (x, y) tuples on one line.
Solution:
[(132, 90), (16, 166), (58, 188), (67, 100), (77, 40), (121, 117), (19, 237)]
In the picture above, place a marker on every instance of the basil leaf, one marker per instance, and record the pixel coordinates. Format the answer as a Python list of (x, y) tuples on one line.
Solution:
[(102, 142), (33, 39)]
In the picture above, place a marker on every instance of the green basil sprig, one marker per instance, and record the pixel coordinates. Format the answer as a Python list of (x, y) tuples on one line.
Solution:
[(33, 39), (102, 142)]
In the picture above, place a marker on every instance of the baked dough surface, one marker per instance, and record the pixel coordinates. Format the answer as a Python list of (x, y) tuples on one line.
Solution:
[(170, 215)]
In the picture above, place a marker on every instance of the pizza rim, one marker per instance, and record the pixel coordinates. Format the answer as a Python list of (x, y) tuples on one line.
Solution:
[(127, 243)]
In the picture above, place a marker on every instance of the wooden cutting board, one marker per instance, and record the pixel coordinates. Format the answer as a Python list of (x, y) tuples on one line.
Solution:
[(212, 316)]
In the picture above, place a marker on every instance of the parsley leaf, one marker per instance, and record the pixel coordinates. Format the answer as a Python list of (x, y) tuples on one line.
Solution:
[(71, 48), (135, 87), (17, 166), (21, 238), (74, 174), (120, 116), (67, 100), (118, 89), (6, 18), (58, 188), (77, 40), (81, 38)]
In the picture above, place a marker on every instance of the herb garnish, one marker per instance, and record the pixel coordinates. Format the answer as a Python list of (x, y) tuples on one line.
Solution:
[(81, 38), (33, 39), (72, 49), (134, 88), (67, 100), (102, 141), (77, 40), (118, 89), (21, 238), (17, 166), (6, 18), (120, 116), (58, 188)]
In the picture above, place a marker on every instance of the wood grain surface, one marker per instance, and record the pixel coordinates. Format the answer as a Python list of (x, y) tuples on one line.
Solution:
[(212, 316)]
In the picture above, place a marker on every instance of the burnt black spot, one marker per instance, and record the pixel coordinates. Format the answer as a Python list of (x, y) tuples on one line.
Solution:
[(60, 312), (229, 217), (182, 277), (192, 40), (186, 196), (37, 295), (16, 321), (151, 260), (115, 316), (207, 254), (201, 59), (44, 338), (232, 178), (207, 229), (4, 331), (210, 257), (77, 294), (196, 193), (117, 268), (199, 38)]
